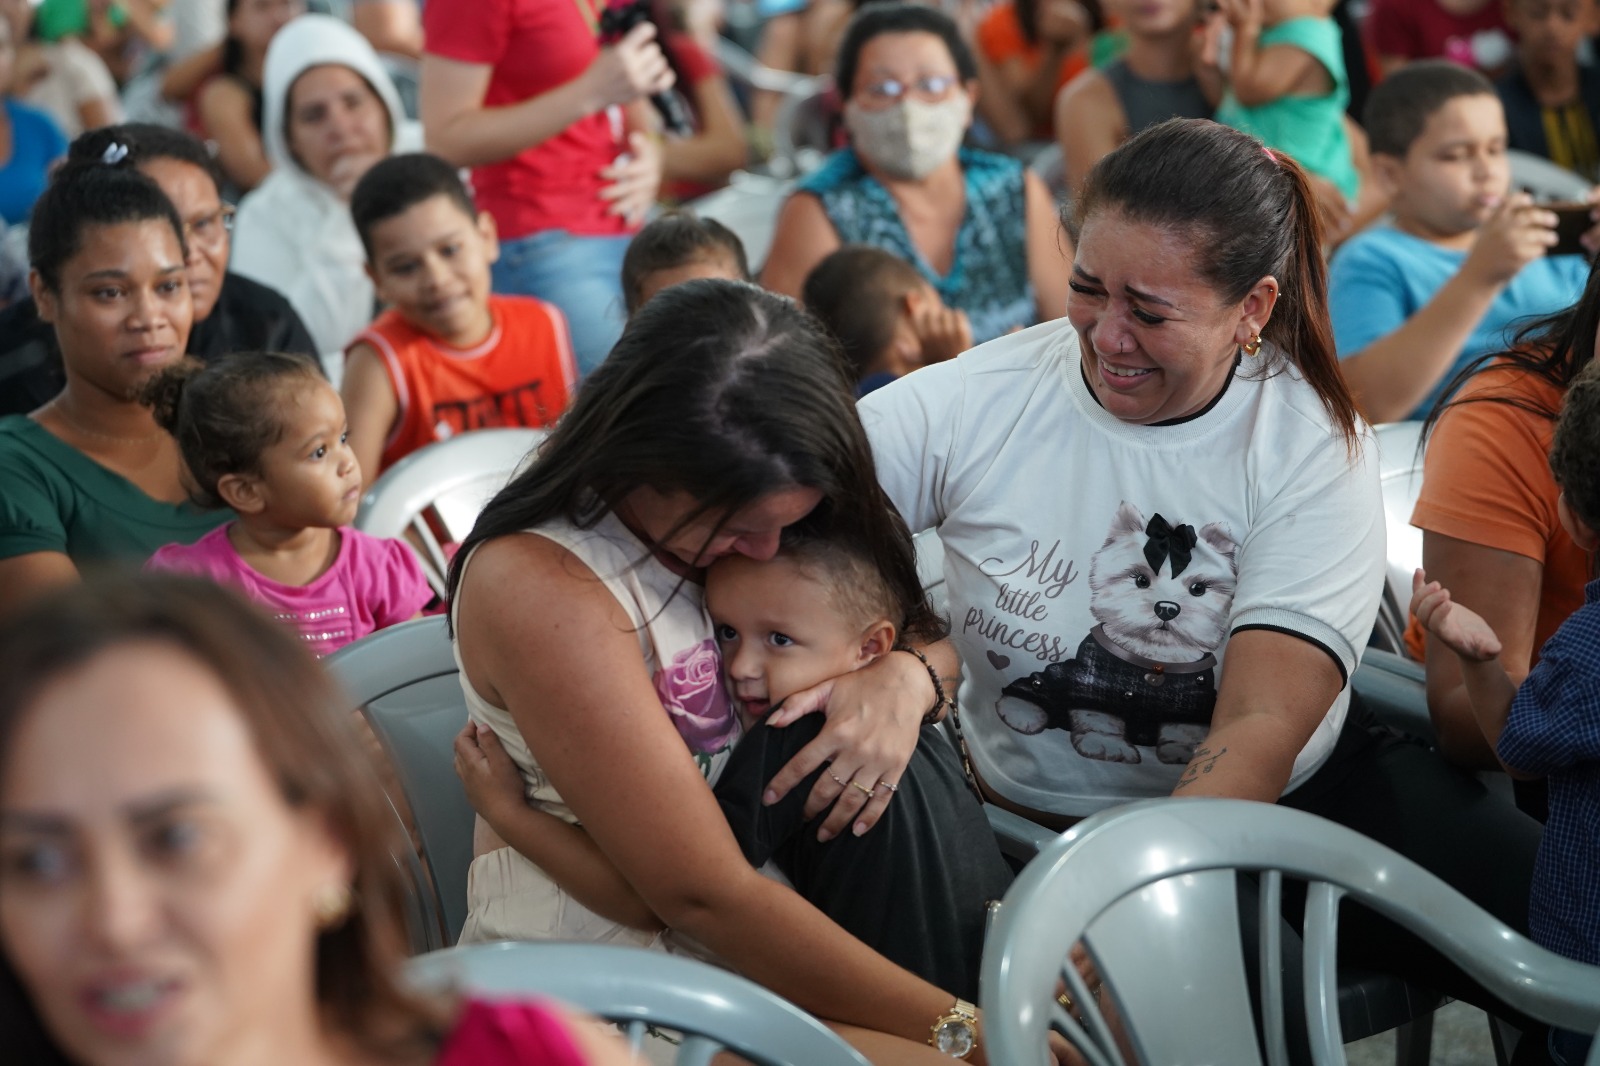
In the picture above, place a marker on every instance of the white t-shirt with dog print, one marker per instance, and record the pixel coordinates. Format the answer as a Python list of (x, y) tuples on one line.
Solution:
[(1096, 569)]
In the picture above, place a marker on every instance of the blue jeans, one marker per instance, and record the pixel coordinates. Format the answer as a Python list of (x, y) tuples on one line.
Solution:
[(580, 275), (1569, 1048)]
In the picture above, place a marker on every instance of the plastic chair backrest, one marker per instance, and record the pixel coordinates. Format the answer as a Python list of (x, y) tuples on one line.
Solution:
[(1544, 179), (405, 681), (638, 989), (748, 206), (441, 489), (1151, 890), (1400, 475)]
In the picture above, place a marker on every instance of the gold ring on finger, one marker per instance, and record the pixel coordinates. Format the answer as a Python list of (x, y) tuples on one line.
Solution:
[(864, 788)]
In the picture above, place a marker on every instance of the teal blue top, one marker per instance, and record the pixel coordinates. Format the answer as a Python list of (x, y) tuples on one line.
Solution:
[(989, 277), (53, 498), (1310, 129)]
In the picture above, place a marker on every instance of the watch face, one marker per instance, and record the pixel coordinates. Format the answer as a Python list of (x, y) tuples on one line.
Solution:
[(954, 1038)]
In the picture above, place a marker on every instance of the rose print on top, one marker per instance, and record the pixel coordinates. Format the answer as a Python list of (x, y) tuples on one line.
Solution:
[(691, 690)]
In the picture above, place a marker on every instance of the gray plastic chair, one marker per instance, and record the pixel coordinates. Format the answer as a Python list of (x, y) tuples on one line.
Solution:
[(713, 1009), (404, 681), (1400, 475), (1151, 888), (1544, 179), (441, 489)]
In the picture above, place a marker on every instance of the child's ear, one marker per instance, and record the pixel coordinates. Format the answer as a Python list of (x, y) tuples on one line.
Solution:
[(491, 236), (242, 492), (1388, 170), (876, 642), (1582, 534)]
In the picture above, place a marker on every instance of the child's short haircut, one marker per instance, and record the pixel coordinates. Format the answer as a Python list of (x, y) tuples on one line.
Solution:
[(1401, 104), (856, 587), (223, 414), (1575, 451), (676, 238), (401, 182), (856, 293)]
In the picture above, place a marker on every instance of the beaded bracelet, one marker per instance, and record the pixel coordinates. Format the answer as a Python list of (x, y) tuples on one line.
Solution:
[(940, 701)]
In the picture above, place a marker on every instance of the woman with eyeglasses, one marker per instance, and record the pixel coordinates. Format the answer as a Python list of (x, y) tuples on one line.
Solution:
[(979, 228), (89, 479), (231, 313)]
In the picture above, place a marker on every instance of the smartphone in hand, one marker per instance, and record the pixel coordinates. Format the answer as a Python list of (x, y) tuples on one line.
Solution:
[(1572, 222)]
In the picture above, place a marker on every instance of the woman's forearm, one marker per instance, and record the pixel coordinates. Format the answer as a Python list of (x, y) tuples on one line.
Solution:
[(479, 136)]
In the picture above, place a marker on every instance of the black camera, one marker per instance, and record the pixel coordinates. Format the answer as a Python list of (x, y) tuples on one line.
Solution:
[(615, 23)]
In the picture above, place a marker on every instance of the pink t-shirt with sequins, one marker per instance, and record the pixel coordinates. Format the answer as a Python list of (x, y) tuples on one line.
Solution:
[(372, 583)]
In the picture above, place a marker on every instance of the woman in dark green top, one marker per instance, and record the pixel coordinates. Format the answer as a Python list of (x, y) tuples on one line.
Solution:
[(89, 477)]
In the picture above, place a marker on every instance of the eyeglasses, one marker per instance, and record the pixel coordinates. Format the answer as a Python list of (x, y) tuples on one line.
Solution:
[(934, 87), (210, 230)]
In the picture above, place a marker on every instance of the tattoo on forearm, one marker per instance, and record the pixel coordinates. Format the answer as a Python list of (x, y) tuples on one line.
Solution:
[(1203, 762)]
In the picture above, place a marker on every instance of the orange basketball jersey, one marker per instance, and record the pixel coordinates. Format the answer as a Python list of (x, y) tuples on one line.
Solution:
[(523, 374)]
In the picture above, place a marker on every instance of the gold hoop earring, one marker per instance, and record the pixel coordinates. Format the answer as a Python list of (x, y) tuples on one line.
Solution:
[(331, 906), (1253, 347)]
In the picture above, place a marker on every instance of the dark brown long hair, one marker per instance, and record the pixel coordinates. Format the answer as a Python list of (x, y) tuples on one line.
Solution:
[(303, 731), (1247, 212), (718, 390)]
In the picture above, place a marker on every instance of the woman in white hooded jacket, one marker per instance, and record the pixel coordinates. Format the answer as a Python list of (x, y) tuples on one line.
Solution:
[(329, 113)]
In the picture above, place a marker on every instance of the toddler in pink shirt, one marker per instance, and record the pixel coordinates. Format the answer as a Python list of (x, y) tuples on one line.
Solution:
[(264, 434)]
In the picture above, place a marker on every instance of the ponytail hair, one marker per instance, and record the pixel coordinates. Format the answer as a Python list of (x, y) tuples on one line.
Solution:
[(1249, 213), (225, 414)]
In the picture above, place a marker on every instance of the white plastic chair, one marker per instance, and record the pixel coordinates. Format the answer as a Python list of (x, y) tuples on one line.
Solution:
[(639, 990), (1544, 179), (1400, 474), (1150, 889), (405, 682), (441, 489)]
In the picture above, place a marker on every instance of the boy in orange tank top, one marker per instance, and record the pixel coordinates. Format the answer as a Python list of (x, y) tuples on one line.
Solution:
[(447, 356)]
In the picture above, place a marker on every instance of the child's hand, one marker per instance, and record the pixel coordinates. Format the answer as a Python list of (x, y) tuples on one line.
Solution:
[(943, 332), (1458, 628), (492, 780), (1516, 234), (1063, 22), (1245, 16)]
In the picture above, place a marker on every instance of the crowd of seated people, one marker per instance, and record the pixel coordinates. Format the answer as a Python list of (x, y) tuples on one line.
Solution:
[(1121, 289)]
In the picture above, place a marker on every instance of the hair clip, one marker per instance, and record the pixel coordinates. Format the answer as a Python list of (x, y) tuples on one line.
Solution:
[(114, 154)]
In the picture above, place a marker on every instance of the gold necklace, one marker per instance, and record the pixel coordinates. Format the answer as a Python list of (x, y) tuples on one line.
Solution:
[(61, 410)]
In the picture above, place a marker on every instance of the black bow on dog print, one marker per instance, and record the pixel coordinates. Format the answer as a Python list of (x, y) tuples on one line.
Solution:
[(1168, 542)]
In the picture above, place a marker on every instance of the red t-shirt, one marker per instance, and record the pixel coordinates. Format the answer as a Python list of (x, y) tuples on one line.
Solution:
[(534, 46), (523, 374), (509, 1033), (1421, 29)]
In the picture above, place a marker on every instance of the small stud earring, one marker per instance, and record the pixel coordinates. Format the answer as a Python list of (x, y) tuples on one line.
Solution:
[(331, 905)]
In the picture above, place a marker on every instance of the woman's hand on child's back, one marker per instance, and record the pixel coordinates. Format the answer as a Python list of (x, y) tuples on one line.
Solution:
[(1458, 628), (492, 781), (874, 720)]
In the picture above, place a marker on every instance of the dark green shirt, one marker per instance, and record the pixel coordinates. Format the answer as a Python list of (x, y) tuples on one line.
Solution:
[(53, 498)]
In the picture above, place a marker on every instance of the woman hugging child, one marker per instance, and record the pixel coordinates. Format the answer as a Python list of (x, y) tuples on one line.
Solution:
[(916, 887), (265, 434)]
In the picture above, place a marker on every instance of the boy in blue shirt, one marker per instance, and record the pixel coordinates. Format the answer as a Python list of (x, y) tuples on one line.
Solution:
[(1465, 257), (1550, 726)]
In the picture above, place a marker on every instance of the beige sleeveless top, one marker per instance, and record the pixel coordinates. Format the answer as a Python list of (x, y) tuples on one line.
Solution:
[(676, 641)]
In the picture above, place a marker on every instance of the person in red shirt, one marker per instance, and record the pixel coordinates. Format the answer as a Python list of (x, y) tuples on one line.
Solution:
[(1470, 32), (447, 357), (553, 126), (1033, 48)]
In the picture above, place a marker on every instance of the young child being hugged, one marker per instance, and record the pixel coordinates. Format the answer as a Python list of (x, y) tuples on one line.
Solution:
[(883, 313), (265, 434), (916, 888), (448, 356), (1287, 85), (677, 247), (1550, 725)]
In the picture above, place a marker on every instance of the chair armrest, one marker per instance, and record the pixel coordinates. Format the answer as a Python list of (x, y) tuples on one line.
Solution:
[(1394, 689), (1018, 838)]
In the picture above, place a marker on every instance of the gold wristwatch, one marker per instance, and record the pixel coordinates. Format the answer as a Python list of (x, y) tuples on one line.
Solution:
[(955, 1032)]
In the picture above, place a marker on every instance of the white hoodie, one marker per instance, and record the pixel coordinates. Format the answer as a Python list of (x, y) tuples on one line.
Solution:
[(293, 233)]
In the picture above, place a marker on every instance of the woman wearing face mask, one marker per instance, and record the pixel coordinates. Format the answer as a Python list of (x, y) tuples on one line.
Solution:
[(978, 227)]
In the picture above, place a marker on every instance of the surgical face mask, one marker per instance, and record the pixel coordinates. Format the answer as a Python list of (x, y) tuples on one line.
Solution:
[(911, 138)]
